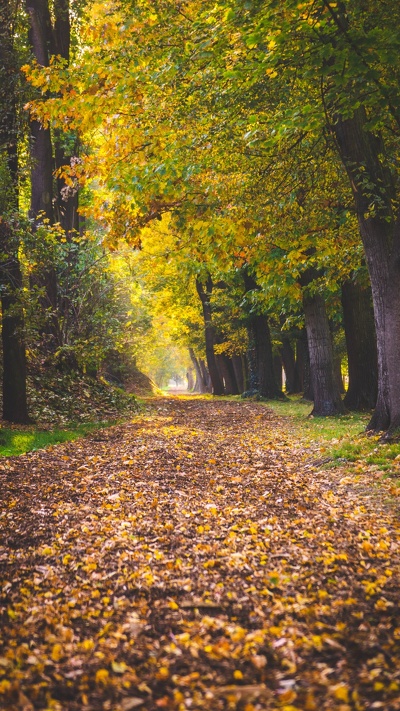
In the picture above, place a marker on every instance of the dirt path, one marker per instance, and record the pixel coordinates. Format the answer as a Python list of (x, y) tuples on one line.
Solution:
[(191, 560)]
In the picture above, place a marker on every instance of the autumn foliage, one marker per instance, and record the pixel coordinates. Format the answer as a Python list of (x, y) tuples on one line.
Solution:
[(196, 557)]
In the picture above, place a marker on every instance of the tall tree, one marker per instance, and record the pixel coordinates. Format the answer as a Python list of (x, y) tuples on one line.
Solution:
[(326, 393), (364, 147), (204, 292), (65, 144), (359, 328), (41, 153), (13, 340), (262, 376)]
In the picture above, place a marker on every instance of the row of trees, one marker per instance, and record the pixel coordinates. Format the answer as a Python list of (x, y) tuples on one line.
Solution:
[(66, 303), (205, 300), (262, 138)]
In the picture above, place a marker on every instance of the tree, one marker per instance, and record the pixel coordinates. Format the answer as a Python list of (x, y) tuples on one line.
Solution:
[(204, 292), (359, 327), (13, 327)]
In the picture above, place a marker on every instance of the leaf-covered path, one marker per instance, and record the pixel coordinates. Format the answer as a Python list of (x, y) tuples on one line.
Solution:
[(192, 559)]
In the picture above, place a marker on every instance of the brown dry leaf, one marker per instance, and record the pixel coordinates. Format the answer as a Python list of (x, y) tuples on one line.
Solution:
[(131, 702)]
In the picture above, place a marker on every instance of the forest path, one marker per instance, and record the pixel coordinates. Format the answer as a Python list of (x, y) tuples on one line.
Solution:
[(192, 559)]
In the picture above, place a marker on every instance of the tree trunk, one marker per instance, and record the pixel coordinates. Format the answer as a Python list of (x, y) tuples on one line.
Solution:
[(41, 208), (237, 362), (14, 359), (228, 374), (67, 196), (359, 328), (40, 36), (303, 370), (199, 384), (13, 328), (204, 295), (278, 370), (205, 376), (261, 363), (289, 364), (337, 371), (371, 182), (327, 400), (259, 354), (190, 380)]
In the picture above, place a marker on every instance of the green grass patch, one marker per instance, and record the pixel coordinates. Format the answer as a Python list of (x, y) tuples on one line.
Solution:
[(341, 439), (320, 428), (19, 441)]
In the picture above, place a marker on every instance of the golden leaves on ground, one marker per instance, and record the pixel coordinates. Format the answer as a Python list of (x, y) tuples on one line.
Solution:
[(192, 560)]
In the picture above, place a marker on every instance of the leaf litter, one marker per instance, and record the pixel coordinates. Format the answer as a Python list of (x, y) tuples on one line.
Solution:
[(193, 559)]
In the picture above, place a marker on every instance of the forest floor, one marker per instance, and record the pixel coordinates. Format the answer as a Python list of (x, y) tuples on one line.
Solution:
[(197, 557)]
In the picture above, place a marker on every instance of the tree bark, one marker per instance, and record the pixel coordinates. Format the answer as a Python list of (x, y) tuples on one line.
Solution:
[(228, 374), (278, 370), (238, 366), (204, 295), (337, 371), (67, 196), (327, 399), (15, 407), (190, 379), (205, 376), (371, 181), (41, 153), (359, 328), (199, 384), (259, 355), (289, 364), (303, 366), (41, 40), (261, 363)]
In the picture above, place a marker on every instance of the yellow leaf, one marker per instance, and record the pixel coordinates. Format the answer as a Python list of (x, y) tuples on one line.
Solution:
[(87, 645), (163, 673), (119, 667), (341, 692), (56, 652), (237, 674), (173, 605), (102, 676), (5, 686)]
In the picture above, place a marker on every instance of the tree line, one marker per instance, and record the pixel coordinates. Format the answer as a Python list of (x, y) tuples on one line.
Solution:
[(256, 145)]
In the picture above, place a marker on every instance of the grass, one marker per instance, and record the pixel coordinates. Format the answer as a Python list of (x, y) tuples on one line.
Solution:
[(19, 441), (341, 440)]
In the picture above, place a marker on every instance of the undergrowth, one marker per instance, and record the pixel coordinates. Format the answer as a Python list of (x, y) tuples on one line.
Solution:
[(65, 407)]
